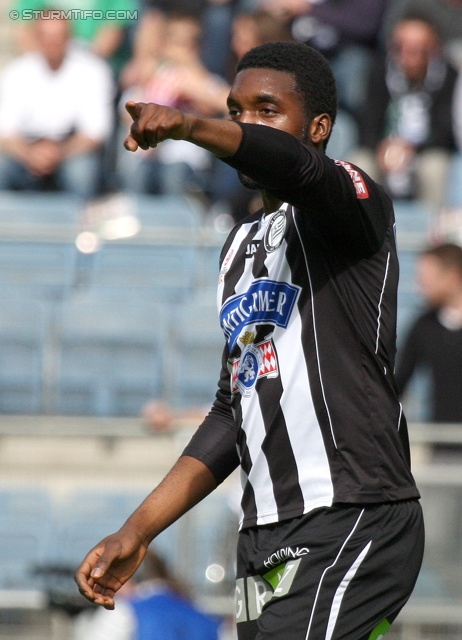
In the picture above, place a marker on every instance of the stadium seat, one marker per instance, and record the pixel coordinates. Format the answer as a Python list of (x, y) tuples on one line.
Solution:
[(111, 354), (25, 532), (23, 335), (48, 210), (195, 350)]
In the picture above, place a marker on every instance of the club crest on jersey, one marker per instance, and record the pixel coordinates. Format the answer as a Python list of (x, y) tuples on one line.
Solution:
[(256, 361), (274, 234)]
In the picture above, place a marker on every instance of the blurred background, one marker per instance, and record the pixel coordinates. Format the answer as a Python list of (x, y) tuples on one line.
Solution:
[(109, 341)]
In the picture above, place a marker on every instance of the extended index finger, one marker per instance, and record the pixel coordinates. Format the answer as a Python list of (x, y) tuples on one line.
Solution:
[(135, 138), (133, 109)]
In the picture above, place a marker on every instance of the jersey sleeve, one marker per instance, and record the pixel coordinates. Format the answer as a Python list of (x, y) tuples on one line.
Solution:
[(346, 206), (214, 442)]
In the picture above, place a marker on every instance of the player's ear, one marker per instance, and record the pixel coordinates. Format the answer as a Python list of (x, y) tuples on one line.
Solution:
[(320, 128)]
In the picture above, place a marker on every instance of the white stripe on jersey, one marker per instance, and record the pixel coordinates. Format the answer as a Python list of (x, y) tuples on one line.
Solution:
[(230, 255), (314, 329), (259, 475), (304, 441), (379, 316)]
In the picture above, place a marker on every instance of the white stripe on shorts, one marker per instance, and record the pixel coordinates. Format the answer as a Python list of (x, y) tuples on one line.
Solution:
[(327, 569), (337, 601)]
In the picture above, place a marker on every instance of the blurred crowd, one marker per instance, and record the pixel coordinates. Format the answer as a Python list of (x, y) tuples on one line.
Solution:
[(62, 95)]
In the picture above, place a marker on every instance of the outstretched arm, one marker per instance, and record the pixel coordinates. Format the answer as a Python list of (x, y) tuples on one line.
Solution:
[(116, 558), (154, 123)]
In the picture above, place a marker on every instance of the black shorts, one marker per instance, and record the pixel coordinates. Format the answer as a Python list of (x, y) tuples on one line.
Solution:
[(339, 573)]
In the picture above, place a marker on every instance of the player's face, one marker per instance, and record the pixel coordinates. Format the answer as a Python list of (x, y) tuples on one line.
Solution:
[(270, 98)]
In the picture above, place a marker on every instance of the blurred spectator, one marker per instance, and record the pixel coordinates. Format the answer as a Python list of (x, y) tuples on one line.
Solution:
[(155, 609), (457, 112), (454, 198), (177, 78), (55, 115), (251, 28), (406, 134), (104, 36), (445, 14), (345, 32), (434, 342), (215, 17)]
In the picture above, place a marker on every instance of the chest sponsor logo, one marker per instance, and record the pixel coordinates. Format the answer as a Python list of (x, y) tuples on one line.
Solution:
[(358, 180), (257, 361), (265, 302), (274, 234)]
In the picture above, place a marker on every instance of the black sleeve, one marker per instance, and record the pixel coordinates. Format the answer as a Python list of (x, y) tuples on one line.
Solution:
[(214, 442), (346, 206)]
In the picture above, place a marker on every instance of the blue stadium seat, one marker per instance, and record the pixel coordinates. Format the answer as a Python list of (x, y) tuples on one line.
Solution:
[(168, 212), (414, 220), (84, 518), (196, 348), (33, 209), (209, 532), (37, 242), (23, 333), (160, 270), (25, 533), (160, 256), (111, 352), (40, 268)]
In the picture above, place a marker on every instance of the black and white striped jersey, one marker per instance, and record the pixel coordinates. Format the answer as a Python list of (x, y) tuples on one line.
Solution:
[(307, 303)]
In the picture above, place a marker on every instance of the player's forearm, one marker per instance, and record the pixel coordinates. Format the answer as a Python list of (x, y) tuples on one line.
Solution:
[(186, 484), (220, 137)]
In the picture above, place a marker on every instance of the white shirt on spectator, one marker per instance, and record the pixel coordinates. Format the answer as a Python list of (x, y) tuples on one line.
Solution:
[(37, 102)]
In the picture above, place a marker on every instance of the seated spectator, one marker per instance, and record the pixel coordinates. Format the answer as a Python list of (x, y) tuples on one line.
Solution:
[(434, 341), (176, 78), (454, 198), (157, 608), (55, 115), (345, 32), (406, 134), (104, 36), (215, 17), (446, 14)]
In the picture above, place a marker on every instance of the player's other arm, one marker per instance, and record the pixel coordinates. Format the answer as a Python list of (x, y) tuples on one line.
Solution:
[(115, 559)]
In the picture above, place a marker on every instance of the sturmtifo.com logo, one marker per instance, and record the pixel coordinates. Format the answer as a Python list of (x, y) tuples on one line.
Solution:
[(74, 14)]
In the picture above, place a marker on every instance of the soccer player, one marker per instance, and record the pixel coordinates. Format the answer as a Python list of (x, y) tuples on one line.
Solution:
[(331, 534)]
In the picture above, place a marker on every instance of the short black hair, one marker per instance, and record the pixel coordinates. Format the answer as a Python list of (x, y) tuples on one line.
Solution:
[(313, 74)]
